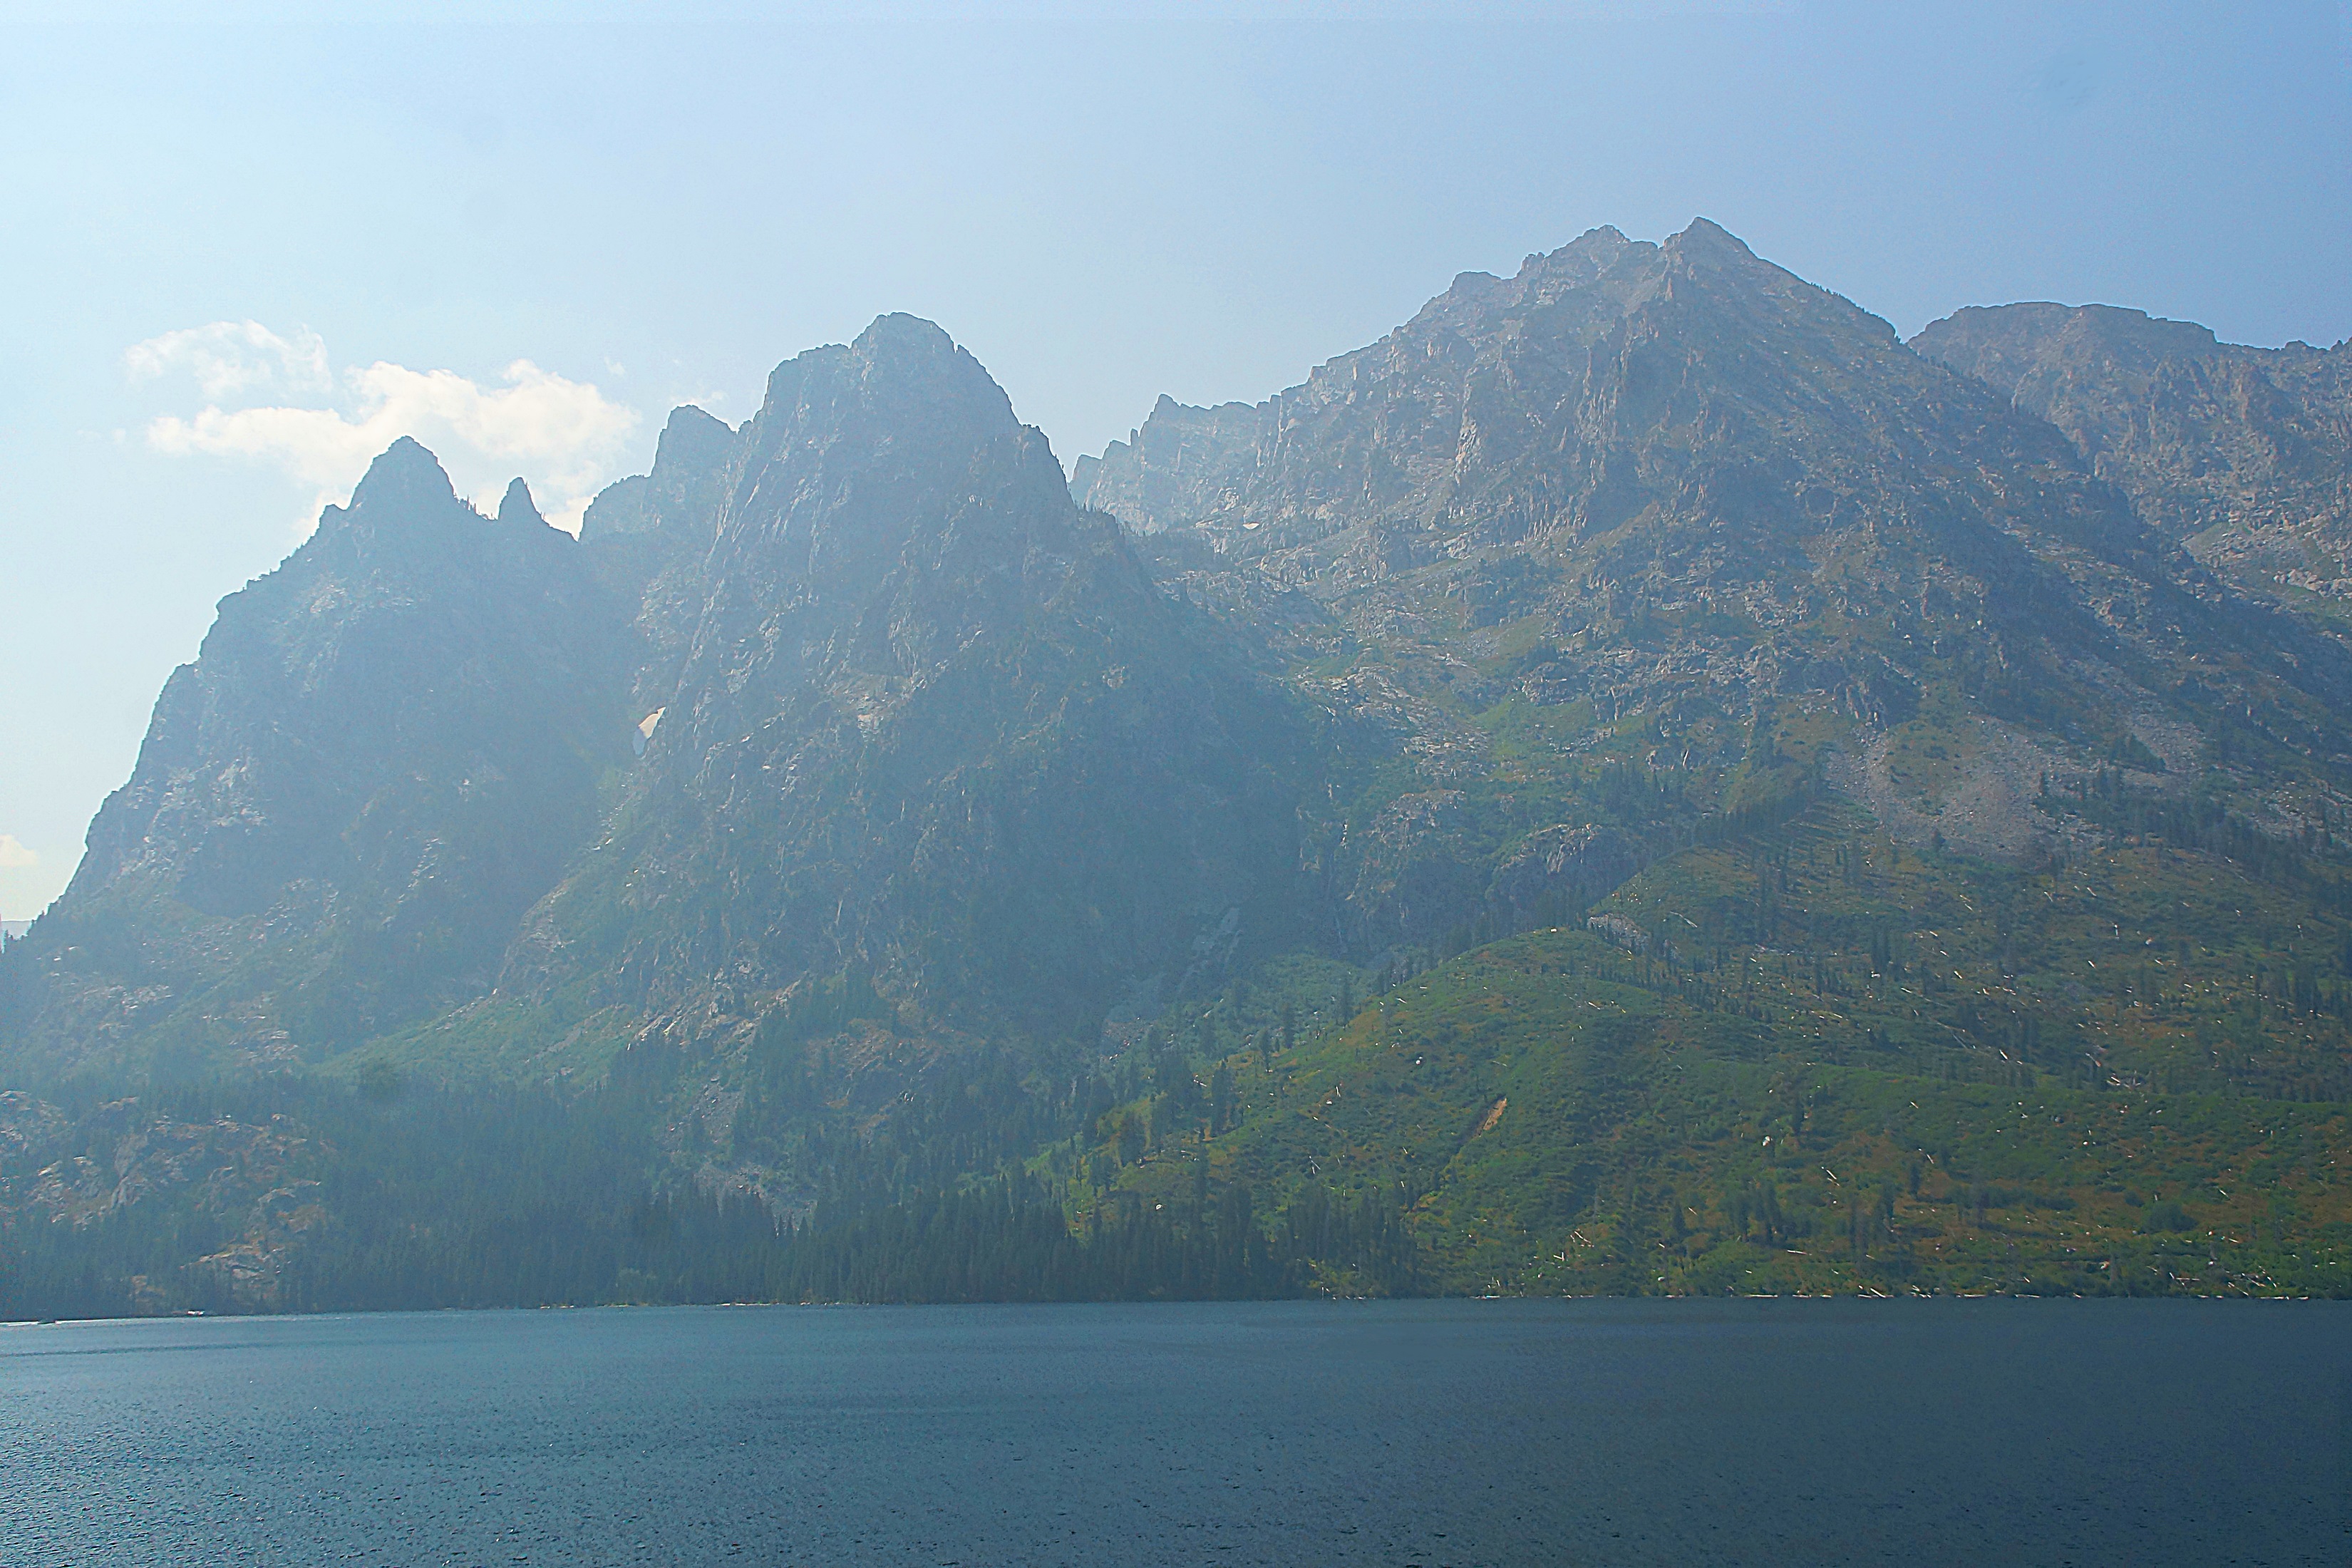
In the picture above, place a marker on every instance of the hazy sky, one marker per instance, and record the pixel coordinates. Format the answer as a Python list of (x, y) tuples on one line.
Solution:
[(243, 257)]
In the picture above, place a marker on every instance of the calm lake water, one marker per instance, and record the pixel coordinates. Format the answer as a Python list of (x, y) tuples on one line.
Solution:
[(1434, 1433)]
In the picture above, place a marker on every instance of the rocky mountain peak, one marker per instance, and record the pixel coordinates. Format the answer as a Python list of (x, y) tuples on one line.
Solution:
[(1703, 485), (405, 486), (899, 442), (902, 650), (1593, 252), (382, 755), (2240, 453), (404, 475), (1706, 238), (2012, 345), (693, 439), (1475, 413), (902, 376), (516, 510), (678, 501)]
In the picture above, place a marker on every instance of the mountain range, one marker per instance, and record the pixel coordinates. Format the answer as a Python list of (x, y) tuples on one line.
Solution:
[(1639, 779)]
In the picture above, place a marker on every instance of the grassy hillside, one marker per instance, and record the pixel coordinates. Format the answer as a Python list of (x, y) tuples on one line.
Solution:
[(1818, 1062)]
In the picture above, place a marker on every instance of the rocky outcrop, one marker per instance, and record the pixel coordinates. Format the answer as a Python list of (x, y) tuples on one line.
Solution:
[(251, 1186), (680, 496), (1183, 463), (1410, 873), (1561, 867), (2244, 453)]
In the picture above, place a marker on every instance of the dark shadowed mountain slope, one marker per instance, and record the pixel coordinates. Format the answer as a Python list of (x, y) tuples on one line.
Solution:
[(928, 723), (2244, 453), (646, 535), (681, 496), (858, 690), (387, 751)]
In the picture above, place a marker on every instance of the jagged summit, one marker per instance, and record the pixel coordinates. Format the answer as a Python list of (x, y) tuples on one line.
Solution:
[(907, 688), (405, 514), (2242, 453), (385, 752), (2013, 336), (404, 474), (516, 510), (405, 485), (1571, 279), (1692, 485), (900, 366), (693, 438), (885, 508), (875, 434), (1514, 409), (1705, 237), (680, 494)]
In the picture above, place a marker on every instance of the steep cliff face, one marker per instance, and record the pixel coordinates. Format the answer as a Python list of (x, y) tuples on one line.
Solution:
[(930, 722), (680, 498), (2245, 454), (647, 537), (384, 753)]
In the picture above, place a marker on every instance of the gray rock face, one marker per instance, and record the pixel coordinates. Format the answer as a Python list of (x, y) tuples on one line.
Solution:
[(2245, 454), (1683, 495), (646, 536), (1184, 463), (385, 752), (1564, 866), (930, 721), (683, 492), (1610, 381), (1699, 410)]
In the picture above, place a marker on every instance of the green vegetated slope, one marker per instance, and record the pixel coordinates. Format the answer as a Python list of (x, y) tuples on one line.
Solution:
[(1814, 1061)]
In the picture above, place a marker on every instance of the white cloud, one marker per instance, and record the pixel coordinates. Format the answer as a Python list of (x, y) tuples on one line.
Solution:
[(564, 437), (13, 856), (228, 357)]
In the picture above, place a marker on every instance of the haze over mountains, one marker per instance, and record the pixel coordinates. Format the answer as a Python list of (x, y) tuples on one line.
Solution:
[(1519, 810)]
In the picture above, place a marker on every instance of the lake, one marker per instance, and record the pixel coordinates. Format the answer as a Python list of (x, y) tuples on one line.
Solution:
[(1299, 1433)]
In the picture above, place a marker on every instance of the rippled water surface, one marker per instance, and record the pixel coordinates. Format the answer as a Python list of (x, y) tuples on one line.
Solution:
[(1782, 1432)]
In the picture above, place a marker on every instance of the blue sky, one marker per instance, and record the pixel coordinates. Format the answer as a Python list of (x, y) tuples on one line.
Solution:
[(243, 254)]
